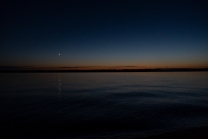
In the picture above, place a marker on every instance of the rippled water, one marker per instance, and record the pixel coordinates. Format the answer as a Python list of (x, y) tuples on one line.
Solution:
[(102, 104)]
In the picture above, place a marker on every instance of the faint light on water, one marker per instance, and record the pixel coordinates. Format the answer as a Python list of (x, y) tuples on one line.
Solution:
[(59, 84)]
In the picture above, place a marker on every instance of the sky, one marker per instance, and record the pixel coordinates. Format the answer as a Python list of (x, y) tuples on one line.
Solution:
[(104, 33)]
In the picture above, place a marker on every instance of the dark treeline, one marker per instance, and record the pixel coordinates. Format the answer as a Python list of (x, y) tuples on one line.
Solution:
[(110, 70)]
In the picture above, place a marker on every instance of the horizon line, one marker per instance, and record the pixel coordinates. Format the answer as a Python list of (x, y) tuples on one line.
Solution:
[(104, 70)]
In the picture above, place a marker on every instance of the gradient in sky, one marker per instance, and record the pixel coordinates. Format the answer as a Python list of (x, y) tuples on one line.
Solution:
[(141, 33)]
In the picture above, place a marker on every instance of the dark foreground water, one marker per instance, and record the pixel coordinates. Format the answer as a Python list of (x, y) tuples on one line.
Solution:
[(101, 105)]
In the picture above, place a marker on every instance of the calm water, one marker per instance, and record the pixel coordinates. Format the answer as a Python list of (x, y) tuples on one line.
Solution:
[(87, 105)]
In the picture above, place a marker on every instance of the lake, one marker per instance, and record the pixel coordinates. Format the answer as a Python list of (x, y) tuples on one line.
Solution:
[(102, 104)]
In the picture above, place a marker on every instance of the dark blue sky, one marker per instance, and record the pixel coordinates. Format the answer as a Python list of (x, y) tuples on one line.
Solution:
[(146, 33)]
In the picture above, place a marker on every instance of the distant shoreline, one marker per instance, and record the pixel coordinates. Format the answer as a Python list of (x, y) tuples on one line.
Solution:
[(108, 70)]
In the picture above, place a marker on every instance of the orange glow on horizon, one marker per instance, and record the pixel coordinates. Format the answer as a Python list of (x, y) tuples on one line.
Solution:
[(107, 68)]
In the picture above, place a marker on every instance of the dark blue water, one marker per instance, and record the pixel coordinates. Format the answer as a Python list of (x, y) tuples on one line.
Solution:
[(107, 105)]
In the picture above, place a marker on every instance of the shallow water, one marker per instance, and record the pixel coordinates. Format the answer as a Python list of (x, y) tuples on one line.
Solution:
[(102, 104)]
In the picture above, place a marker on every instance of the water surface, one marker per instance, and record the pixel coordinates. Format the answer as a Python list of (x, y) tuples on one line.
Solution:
[(88, 105)]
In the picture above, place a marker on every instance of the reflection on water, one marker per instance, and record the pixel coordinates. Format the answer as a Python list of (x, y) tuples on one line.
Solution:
[(99, 104), (59, 83)]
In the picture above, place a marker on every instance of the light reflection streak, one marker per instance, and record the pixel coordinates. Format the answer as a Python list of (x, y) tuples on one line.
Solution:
[(59, 84)]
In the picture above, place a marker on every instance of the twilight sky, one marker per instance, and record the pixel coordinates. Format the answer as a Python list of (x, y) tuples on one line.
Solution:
[(141, 33)]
